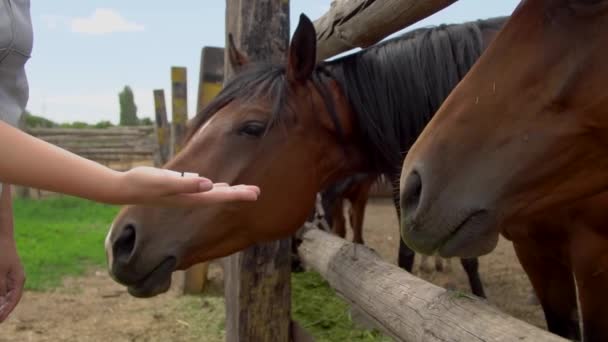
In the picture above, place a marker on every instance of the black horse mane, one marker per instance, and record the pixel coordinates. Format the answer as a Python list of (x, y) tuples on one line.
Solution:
[(394, 87)]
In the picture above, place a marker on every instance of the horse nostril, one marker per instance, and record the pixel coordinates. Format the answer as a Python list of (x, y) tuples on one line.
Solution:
[(124, 245), (410, 196)]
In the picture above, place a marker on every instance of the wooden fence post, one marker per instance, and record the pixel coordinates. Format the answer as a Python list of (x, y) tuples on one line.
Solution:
[(179, 106), (211, 77), (162, 126), (257, 280), (179, 100)]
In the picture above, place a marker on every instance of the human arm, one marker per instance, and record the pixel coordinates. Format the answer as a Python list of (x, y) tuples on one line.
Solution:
[(29, 161)]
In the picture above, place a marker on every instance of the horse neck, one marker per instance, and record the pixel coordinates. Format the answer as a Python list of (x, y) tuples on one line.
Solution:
[(394, 88)]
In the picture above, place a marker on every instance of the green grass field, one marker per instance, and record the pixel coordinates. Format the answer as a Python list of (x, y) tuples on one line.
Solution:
[(60, 236), (64, 236)]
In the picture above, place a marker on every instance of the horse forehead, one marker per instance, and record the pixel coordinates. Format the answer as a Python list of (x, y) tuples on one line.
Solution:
[(205, 127)]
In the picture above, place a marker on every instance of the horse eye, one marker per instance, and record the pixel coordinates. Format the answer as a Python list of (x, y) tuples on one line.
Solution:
[(253, 128)]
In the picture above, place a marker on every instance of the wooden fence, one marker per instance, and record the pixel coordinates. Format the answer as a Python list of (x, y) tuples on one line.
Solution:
[(120, 148)]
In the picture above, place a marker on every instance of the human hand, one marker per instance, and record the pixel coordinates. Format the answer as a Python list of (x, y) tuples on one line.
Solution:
[(152, 186), (12, 278)]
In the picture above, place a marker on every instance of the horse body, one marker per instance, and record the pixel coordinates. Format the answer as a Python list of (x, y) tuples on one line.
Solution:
[(565, 255), (520, 147)]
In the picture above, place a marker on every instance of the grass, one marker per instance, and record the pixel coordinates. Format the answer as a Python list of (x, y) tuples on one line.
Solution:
[(63, 236), (319, 311), (59, 237), (205, 317)]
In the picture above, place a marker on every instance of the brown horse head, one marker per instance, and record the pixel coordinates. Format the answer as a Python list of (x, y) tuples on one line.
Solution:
[(268, 127), (524, 131), (293, 129)]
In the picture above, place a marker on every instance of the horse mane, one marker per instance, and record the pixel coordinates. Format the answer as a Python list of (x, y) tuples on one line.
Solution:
[(394, 87)]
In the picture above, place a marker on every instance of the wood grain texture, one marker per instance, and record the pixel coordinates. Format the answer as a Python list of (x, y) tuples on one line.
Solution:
[(403, 306), (162, 126), (257, 280), (179, 100), (360, 23)]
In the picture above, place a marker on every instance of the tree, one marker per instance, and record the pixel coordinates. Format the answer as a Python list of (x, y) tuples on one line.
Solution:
[(128, 109), (34, 121), (146, 122), (103, 124)]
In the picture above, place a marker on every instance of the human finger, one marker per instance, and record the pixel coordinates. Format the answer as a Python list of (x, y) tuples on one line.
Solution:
[(216, 196), (184, 182), (253, 188)]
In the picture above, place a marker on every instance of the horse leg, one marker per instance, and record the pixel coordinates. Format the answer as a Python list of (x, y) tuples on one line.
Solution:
[(438, 263), (425, 266), (593, 305), (471, 267), (554, 286), (406, 256), (448, 265), (337, 213), (590, 264), (358, 200)]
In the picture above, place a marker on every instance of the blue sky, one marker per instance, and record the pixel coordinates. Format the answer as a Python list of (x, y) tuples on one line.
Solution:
[(85, 52)]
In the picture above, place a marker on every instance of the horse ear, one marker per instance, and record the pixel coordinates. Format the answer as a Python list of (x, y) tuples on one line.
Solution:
[(236, 57), (302, 55)]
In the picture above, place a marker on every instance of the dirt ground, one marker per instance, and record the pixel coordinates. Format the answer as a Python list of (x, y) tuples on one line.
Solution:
[(94, 308)]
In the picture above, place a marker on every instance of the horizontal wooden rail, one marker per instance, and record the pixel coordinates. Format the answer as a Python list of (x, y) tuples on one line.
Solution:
[(360, 23), (403, 306)]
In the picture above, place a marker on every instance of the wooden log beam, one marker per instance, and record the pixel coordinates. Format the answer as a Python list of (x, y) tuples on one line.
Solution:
[(141, 130), (403, 306), (126, 139), (360, 23)]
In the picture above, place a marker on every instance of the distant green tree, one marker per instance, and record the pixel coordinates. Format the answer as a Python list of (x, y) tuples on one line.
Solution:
[(128, 109), (75, 124), (103, 124), (146, 122), (35, 121)]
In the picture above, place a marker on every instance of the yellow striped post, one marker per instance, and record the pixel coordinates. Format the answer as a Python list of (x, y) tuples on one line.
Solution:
[(162, 126), (211, 79), (179, 97), (211, 76)]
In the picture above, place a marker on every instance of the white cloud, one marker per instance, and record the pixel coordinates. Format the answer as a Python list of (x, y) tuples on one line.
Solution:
[(102, 21)]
